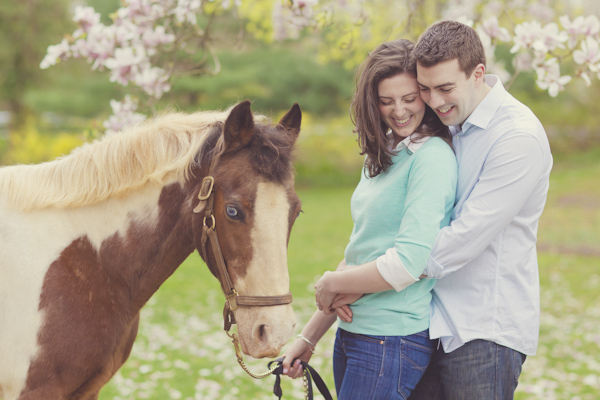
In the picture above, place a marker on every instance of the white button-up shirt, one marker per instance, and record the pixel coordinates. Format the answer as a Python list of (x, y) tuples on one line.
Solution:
[(486, 260)]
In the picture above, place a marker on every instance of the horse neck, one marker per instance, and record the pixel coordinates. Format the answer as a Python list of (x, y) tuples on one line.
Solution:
[(151, 245)]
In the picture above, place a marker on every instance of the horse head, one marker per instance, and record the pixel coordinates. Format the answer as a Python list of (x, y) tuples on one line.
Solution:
[(253, 209)]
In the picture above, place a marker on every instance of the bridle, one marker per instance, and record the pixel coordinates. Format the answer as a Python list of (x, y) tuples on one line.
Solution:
[(209, 237), (233, 300)]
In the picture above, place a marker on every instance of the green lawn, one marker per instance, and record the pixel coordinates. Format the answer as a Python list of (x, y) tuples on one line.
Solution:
[(182, 352)]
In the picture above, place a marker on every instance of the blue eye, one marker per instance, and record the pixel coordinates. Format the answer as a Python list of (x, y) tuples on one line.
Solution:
[(233, 212)]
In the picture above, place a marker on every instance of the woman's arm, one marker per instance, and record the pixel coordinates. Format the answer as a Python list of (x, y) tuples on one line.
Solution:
[(312, 332), (360, 279)]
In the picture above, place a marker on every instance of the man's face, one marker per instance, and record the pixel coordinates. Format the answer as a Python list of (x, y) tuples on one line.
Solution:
[(448, 91)]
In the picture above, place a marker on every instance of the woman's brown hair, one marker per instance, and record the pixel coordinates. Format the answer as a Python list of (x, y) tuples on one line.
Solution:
[(386, 61)]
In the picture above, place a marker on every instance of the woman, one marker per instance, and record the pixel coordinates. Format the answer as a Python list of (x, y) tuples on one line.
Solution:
[(404, 198)]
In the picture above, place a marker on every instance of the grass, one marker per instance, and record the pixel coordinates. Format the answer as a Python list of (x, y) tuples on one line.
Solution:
[(182, 352)]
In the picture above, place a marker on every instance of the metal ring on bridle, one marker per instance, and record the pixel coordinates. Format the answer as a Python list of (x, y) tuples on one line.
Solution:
[(212, 217)]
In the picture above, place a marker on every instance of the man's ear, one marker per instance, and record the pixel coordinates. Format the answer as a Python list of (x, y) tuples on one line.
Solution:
[(479, 73)]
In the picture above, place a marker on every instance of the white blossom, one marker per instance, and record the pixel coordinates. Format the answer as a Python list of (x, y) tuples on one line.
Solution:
[(492, 28), (124, 115), (526, 34), (55, 53), (589, 54), (549, 77), (143, 30)]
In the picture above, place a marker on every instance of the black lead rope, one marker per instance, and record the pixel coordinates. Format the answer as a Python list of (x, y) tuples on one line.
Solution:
[(311, 374)]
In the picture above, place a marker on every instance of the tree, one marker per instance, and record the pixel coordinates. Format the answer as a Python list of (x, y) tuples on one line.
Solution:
[(151, 42), (26, 28)]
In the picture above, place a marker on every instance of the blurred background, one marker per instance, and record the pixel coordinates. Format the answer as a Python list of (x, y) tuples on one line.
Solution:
[(181, 352)]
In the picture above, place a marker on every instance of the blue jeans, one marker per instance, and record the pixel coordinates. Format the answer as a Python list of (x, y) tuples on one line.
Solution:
[(379, 367), (479, 370)]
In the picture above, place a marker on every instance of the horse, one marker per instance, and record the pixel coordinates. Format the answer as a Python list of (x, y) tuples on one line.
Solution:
[(88, 238)]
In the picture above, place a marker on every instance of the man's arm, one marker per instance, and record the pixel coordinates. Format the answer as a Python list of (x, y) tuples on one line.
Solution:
[(510, 173)]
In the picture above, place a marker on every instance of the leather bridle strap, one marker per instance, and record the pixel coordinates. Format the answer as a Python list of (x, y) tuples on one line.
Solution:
[(209, 237), (233, 299)]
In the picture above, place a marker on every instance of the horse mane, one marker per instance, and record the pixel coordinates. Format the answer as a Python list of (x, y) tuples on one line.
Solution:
[(159, 150)]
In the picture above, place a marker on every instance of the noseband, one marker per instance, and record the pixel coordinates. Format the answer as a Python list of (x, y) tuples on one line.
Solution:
[(209, 238)]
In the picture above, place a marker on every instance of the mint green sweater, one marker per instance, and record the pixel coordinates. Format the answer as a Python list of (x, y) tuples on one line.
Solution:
[(403, 208)]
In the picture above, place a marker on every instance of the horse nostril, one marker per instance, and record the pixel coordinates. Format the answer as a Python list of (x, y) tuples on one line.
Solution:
[(263, 331)]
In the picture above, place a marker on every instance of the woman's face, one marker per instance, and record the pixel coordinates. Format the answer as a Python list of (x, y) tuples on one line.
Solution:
[(400, 105)]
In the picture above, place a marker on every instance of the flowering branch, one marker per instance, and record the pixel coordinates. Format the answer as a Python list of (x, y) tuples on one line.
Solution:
[(141, 47)]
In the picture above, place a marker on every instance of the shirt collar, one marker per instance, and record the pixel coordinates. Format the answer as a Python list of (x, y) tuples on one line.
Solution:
[(484, 112), (412, 142)]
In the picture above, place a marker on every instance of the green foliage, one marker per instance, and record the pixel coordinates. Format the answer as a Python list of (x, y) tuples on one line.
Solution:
[(327, 153), (26, 29), (71, 89), (273, 77)]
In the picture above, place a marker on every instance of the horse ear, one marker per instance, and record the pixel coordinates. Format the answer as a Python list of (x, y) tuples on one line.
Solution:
[(292, 119), (239, 126)]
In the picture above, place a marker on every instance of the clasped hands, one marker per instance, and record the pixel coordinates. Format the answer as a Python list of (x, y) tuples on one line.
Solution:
[(329, 300)]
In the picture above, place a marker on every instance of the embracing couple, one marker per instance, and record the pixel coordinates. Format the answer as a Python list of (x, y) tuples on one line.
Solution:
[(438, 293)]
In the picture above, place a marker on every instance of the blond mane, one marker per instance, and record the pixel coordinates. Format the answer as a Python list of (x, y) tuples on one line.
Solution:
[(159, 150)]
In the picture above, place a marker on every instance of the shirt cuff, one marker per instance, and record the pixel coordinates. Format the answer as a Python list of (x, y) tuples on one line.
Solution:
[(393, 271), (434, 269)]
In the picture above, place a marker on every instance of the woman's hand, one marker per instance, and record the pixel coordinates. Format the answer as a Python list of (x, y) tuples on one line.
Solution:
[(301, 350), (323, 295), (341, 305), (342, 265)]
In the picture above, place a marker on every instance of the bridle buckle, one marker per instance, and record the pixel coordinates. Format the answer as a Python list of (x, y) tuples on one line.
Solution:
[(206, 189), (232, 300)]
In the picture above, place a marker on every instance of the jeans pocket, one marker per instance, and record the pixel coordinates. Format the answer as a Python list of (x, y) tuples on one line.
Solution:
[(366, 338), (365, 354), (414, 359)]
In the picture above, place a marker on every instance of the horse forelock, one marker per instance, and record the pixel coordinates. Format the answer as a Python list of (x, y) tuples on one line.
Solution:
[(270, 151), (272, 154), (160, 150)]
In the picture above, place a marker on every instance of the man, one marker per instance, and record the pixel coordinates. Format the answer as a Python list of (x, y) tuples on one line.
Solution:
[(485, 308)]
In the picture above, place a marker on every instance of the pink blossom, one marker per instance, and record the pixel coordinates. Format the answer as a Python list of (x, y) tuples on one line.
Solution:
[(589, 55), (540, 11), (124, 64), (153, 81), (124, 115), (185, 11), (494, 31), (86, 17), (153, 38), (55, 54), (526, 34), (549, 77), (142, 30), (523, 62), (550, 39), (587, 26)]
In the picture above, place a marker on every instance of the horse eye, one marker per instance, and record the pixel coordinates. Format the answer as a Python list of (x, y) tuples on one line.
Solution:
[(232, 212)]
